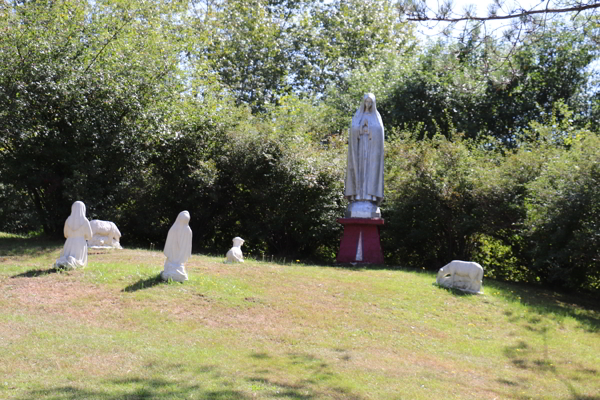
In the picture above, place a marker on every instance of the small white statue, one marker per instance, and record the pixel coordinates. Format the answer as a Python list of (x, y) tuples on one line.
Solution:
[(104, 234), (178, 248), (77, 230), (463, 275), (235, 253)]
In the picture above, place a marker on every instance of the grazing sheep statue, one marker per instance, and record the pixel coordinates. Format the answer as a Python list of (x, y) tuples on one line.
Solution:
[(463, 275), (104, 234)]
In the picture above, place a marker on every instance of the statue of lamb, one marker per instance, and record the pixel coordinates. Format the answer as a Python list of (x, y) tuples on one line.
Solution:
[(463, 275), (235, 253), (104, 234)]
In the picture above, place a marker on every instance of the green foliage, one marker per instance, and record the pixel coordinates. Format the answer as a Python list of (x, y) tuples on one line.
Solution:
[(564, 214), (249, 48), (280, 193), (430, 201), (236, 112), (350, 35), (82, 93), (264, 179), (382, 79), (501, 261), (552, 68), (479, 88), (302, 119), (178, 176), (16, 211), (435, 95), (263, 50), (444, 197), (528, 216)]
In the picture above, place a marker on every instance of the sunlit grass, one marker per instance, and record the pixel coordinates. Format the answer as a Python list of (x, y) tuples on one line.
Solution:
[(264, 330)]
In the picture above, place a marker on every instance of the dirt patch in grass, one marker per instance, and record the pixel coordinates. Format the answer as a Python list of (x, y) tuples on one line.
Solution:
[(65, 294), (48, 292), (56, 294)]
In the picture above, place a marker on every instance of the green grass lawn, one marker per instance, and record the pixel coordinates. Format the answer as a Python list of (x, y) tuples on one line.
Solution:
[(269, 331)]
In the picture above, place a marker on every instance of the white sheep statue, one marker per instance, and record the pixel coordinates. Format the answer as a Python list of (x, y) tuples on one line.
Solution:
[(104, 234), (463, 275)]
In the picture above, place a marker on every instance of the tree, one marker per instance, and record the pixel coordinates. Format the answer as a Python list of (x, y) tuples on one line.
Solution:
[(562, 226), (264, 49), (506, 20), (473, 89), (80, 101), (418, 10), (248, 47), (348, 35)]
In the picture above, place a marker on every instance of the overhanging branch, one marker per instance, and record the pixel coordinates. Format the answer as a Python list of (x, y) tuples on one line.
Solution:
[(523, 13)]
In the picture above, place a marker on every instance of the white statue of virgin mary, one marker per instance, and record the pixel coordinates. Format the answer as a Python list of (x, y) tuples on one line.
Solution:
[(364, 174), (178, 248), (77, 230)]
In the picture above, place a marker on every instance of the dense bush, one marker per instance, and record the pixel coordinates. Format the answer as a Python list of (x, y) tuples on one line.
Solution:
[(443, 197), (429, 201), (178, 176), (282, 196), (257, 179), (17, 214), (563, 222), (530, 215)]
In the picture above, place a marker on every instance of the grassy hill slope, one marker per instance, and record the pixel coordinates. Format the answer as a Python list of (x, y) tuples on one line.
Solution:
[(269, 331)]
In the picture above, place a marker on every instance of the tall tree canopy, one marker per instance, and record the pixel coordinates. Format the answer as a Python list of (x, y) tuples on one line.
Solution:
[(83, 89), (483, 87), (264, 49)]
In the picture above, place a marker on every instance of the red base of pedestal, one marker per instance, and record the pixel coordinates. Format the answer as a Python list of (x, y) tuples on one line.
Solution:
[(361, 242)]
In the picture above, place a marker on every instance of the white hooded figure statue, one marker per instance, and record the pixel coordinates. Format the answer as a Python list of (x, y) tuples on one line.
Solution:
[(178, 248), (77, 230), (235, 253), (364, 174)]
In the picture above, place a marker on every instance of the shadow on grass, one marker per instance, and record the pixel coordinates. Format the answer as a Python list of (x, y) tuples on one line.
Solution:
[(152, 385), (454, 291), (209, 383), (23, 246), (144, 284), (136, 388), (315, 378), (524, 357), (37, 272), (585, 310)]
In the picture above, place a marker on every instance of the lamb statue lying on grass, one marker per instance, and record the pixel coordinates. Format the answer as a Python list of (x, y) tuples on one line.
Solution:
[(104, 234), (463, 275)]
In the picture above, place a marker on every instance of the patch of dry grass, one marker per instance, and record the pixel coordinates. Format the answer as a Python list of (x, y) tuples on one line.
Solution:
[(270, 331)]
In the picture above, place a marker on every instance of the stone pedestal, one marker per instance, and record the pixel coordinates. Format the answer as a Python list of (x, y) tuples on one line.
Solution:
[(361, 242)]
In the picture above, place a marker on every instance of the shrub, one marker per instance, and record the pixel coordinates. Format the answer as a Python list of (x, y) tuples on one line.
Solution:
[(563, 220)]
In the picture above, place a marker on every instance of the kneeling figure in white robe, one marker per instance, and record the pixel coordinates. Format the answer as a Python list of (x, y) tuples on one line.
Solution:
[(178, 248)]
